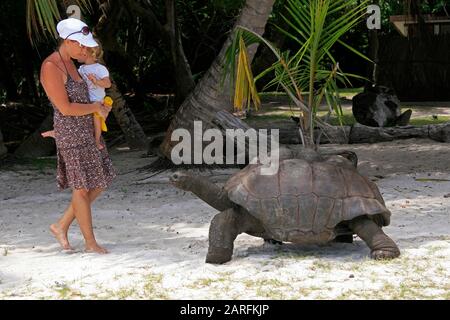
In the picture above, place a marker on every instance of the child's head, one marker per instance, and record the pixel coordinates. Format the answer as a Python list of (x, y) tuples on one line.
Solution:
[(92, 54)]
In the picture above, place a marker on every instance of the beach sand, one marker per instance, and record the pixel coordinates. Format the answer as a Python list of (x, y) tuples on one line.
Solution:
[(157, 236)]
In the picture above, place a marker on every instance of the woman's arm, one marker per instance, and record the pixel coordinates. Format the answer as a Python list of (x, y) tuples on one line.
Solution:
[(53, 82)]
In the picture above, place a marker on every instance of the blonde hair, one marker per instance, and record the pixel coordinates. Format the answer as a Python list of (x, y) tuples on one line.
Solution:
[(96, 52)]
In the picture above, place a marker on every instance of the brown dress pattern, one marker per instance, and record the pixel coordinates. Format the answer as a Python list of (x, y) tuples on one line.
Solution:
[(80, 164)]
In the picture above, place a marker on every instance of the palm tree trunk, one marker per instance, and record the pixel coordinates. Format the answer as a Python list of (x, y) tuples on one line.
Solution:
[(7, 79), (105, 30), (266, 58), (413, 7), (3, 150), (169, 33), (29, 88), (183, 75), (209, 97), (374, 46), (133, 132)]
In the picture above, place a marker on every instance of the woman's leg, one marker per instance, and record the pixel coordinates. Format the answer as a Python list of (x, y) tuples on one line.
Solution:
[(61, 228), (82, 210)]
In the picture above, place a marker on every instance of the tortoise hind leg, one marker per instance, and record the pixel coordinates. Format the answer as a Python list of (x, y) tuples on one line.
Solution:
[(381, 246)]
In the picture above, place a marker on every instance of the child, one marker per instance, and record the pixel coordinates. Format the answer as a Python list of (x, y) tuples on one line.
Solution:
[(97, 79)]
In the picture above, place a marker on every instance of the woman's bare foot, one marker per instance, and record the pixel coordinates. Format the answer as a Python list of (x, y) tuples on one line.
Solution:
[(95, 248), (61, 236)]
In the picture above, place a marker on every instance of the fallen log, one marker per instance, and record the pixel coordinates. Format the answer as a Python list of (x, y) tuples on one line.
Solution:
[(364, 134), (359, 133)]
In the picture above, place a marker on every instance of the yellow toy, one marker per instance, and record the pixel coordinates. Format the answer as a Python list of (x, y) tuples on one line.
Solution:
[(107, 101)]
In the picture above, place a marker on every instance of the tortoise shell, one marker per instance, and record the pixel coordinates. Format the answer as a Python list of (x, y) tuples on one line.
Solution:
[(306, 200)]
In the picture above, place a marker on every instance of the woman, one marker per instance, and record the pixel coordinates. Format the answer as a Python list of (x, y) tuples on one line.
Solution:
[(81, 165)]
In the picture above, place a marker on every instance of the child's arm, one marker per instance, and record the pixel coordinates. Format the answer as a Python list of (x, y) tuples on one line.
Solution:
[(104, 83), (52, 80)]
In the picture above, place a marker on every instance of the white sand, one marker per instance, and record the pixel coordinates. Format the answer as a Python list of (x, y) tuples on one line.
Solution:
[(158, 238)]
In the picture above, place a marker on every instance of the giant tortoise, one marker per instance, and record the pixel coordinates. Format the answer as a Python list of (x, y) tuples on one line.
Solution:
[(312, 199)]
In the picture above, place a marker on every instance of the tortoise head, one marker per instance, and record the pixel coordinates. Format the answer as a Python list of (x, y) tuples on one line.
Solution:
[(181, 180), (350, 156)]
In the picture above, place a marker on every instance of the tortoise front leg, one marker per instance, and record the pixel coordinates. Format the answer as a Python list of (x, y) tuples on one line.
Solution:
[(381, 246), (223, 230)]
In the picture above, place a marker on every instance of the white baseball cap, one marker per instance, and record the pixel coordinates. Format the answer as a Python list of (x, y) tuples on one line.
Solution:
[(74, 29)]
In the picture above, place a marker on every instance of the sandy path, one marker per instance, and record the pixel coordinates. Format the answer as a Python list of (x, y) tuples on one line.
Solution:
[(157, 236)]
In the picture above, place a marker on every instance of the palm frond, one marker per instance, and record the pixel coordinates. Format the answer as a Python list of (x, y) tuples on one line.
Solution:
[(316, 26), (245, 90), (42, 17)]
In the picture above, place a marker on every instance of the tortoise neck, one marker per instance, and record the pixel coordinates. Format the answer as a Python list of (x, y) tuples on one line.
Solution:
[(209, 192)]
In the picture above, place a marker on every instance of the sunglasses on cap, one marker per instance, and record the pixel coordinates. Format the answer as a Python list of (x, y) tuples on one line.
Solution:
[(85, 31)]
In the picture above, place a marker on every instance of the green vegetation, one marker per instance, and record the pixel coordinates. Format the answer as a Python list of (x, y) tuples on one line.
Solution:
[(66, 292), (316, 26), (271, 114)]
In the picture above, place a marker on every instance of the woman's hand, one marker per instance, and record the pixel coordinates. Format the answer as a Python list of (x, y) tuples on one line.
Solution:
[(103, 110)]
